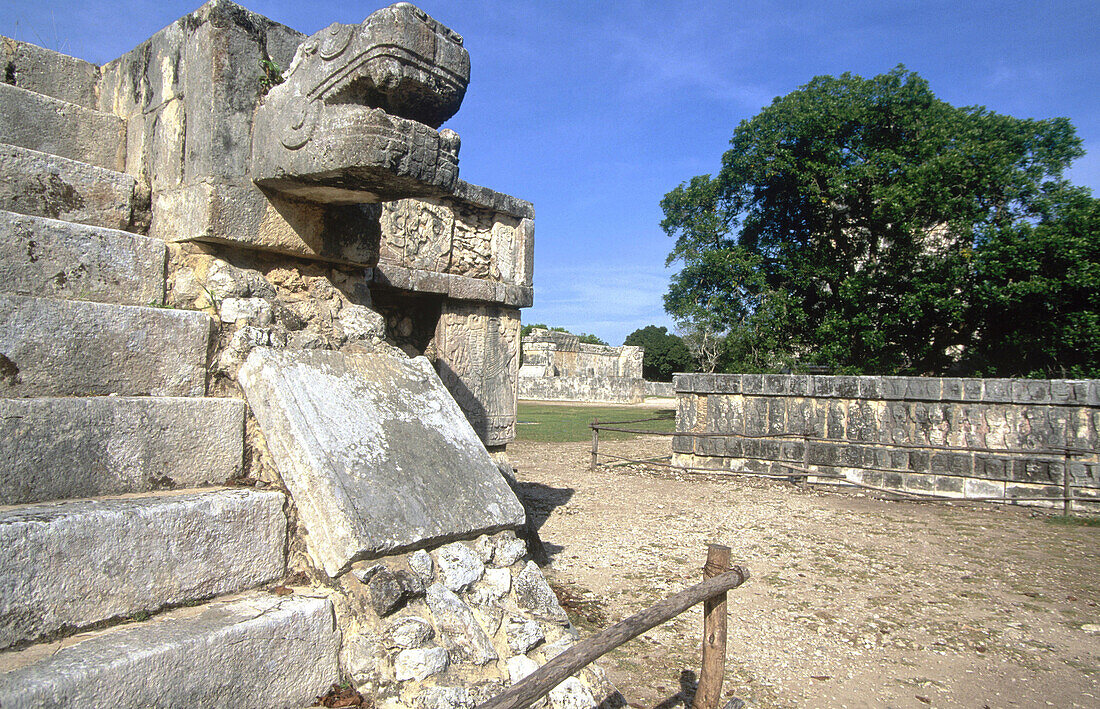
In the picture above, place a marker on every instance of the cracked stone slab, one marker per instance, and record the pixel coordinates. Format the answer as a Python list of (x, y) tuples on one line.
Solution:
[(58, 259), (49, 125), (73, 564), (71, 447), (376, 454), (50, 186), (73, 348), (259, 650)]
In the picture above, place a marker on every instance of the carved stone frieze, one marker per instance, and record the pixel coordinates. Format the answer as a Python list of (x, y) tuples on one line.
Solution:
[(477, 348), (355, 119)]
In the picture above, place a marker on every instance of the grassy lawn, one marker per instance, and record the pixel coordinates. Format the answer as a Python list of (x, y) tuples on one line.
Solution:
[(547, 422)]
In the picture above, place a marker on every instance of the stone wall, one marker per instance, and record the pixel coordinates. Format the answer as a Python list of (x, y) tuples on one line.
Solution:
[(558, 367), (881, 431)]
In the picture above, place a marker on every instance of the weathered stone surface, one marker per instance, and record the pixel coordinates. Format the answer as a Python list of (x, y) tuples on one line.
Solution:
[(421, 564), (478, 360), (409, 632), (458, 628), (509, 551), (558, 367), (57, 259), (572, 694), (455, 287), (57, 448), (523, 634), (459, 566), (46, 185), (243, 215), (49, 125), (260, 650), (354, 120), (48, 72), (519, 667), (446, 698), (375, 453), (70, 348), (493, 586), (420, 663), (390, 589), (73, 564), (533, 594), (491, 199)]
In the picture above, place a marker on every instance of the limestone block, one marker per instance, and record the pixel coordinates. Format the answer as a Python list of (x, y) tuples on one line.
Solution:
[(58, 448), (421, 564), (446, 698), (519, 667), (58, 259), (459, 566), (458, 628), (493, 586), (261, 650), (375, 453), (534, 595), (523, 634), (478, 360), (78, 563), (420, 663), (509, 551), (45, 185), (572, 694), (242, 215), (409, 632), (70, 348), (49, 125), (389, 590), (48, 72)]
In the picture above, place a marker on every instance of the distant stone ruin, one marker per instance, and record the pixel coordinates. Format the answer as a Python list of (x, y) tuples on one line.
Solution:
[(259, 360), (557, 366)]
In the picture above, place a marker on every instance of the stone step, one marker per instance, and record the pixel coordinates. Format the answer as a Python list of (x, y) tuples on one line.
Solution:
[(58, 259), (48, 72), (70, 565), (31, 120), (72, 348), (258, 650), (73, 447), (46, 185)]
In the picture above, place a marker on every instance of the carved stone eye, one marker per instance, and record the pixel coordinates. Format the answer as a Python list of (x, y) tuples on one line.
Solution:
[(296, 123), (335, 41)]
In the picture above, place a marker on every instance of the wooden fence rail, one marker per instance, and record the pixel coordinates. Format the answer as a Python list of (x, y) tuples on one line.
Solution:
[(539, 683)]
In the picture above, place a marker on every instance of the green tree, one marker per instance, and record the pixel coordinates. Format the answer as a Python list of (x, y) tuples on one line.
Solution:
[(843, 225), (665, 353), (1036, 293)]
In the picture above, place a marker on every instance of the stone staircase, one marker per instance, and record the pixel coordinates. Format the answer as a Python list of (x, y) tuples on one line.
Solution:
[(127, 577)]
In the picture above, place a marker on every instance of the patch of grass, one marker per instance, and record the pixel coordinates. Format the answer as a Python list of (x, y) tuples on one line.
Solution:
[(1074, 520), (565, 423)]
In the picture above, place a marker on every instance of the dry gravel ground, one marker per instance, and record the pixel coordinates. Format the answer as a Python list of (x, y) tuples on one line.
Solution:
[(854, 601)]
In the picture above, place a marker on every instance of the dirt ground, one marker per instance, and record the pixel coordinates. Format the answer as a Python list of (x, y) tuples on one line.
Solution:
[(854, 601)]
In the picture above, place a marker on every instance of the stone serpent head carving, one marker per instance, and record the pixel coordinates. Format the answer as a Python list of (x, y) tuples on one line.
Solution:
[(355, 119)]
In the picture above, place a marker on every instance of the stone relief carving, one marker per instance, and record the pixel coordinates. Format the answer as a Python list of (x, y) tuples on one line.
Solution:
[(355, 119), (478, 360)]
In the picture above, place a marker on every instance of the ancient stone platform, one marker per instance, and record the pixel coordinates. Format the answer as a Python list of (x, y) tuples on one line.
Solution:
[(375, 452)]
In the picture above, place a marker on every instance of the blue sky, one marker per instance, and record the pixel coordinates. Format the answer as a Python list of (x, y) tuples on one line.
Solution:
[(593, 111)]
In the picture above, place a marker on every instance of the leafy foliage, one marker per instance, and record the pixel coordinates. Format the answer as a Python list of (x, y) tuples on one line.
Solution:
[(665, 353), (848, 227)]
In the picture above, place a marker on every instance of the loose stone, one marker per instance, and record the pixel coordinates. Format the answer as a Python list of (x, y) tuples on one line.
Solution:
[(534, 594), (460, 566), (420, 663), (409, 632)]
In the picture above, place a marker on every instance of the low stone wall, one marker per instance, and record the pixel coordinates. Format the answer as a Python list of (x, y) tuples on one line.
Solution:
[(888, 431), (608, 390), (659, 389)]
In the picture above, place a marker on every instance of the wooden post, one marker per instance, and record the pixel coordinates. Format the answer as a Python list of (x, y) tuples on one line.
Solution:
[(539, 683), (595, 443), (805, 461), (1067, 488), (709, 691)]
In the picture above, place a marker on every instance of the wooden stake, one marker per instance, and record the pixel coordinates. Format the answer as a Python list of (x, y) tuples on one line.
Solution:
[(595, 443), (709, 691)]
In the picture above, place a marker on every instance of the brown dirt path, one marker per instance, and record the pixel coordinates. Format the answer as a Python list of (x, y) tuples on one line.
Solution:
[(854, 601)]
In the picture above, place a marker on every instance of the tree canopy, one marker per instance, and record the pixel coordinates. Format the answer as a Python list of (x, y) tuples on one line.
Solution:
[(866, 225), (665, 353)]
